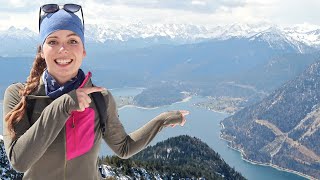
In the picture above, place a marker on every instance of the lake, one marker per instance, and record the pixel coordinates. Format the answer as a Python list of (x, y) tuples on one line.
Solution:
[(201, 123)]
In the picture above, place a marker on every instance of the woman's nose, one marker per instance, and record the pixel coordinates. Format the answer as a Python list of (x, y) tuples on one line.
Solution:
[(63, 49)]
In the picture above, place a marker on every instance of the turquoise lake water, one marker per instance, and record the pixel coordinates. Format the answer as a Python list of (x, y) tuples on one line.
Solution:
[(201, 123)]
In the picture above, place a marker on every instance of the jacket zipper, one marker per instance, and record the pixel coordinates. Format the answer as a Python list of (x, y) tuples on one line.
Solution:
[(65, 157), (75, 142), (74, 132)]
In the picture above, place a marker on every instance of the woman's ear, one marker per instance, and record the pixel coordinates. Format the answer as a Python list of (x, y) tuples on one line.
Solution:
[(41, 54), (84, 52)]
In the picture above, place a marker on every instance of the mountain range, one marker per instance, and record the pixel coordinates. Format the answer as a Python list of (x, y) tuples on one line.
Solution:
[(284, 128), (303, 38)]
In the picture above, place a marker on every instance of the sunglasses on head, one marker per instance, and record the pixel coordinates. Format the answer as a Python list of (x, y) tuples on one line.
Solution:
[(52, 8)]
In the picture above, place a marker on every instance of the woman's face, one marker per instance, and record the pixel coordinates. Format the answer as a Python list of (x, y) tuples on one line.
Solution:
[(63, 52)]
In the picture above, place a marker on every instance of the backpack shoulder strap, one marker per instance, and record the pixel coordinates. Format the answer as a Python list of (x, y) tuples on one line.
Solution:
[(98, 99), (30, 107), (101, 105)]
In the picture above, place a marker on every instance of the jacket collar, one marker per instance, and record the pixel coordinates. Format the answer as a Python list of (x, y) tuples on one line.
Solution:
[(40, 92)]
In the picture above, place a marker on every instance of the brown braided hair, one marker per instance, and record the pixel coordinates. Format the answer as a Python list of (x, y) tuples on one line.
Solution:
[(15, 115)]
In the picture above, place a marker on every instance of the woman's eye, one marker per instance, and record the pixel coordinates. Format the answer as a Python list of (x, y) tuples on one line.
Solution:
[(52, 42), (73, 41)]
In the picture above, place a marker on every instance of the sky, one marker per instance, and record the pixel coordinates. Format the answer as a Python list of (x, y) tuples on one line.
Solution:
[(24, 13)]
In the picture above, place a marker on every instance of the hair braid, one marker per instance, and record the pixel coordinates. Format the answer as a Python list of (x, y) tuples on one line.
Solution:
[(32, 83)]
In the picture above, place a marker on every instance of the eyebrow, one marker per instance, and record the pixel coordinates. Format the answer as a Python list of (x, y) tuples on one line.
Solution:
[(72, 34)]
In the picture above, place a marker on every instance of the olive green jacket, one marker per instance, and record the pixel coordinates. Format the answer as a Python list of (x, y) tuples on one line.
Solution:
[(40, 149)]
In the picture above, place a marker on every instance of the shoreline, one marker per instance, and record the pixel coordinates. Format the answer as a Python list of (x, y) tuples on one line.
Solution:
[(216, 111), (140, 88), (135, 106), (266, 164), (221, 112), (186, 99), (151, 108)]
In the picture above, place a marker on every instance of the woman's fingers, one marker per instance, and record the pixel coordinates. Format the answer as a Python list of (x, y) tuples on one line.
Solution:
[(83, 96), (183, 121), (83, 100), (81, 107), (184, 112)]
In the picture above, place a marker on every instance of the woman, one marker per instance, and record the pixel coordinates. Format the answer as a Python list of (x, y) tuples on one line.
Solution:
[(61, 138)]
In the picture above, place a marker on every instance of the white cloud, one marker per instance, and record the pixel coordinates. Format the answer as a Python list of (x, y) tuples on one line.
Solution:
[(201, 3), (16, 3), (23, 13), (20, 20)]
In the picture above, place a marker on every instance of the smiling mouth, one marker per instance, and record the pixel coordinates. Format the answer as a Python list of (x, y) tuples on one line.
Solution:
[(63, 61)]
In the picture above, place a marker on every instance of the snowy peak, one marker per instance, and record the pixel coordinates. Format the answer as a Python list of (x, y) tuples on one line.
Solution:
[(125, 32), (272, 34), (296, 36), (299, 37), (242, 30), (283, 39), (305, 33), (16, 33), (275, 38), (21, 42), (313, 37)]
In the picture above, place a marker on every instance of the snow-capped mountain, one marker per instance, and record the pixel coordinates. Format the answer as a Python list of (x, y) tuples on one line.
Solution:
[(279, 39), (181, 33), (306, 33), (17, 41), (309, 35), (18, 34), (242, 30), (299, 37), (119, 32), (273, 36)]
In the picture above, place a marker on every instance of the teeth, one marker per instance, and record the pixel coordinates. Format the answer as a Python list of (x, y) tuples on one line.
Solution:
[(63, 61)]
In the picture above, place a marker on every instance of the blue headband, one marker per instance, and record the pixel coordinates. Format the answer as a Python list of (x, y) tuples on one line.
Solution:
[(60, 20)]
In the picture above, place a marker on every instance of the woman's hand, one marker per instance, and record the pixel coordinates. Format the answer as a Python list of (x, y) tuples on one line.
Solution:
[(83, 96), (175, 118), (184, 113)]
